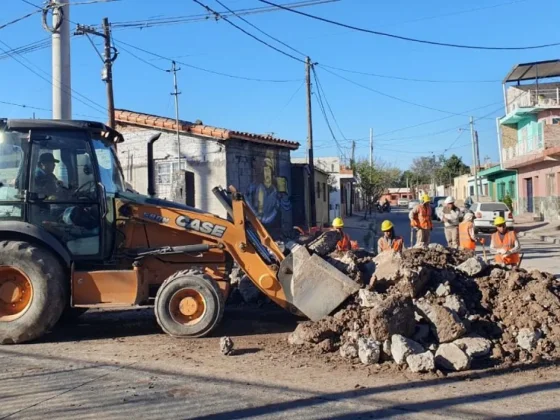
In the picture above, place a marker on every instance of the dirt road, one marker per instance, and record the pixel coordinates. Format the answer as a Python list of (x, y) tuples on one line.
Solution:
[(119, 365)]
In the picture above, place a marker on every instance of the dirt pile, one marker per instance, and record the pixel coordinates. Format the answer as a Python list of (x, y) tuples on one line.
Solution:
[(441, 308)]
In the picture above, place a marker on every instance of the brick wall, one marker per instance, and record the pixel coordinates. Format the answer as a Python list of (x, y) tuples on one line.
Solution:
[(551, 135), (509, 136)]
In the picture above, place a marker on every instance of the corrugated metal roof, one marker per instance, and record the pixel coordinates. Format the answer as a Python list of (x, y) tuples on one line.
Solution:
[(532, 71)]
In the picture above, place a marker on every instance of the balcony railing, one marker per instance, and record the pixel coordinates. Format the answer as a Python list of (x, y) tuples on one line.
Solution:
[(533, 144), (544, 98)]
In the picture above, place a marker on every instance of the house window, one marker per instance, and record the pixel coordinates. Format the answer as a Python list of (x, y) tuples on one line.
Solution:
[(550, 185), (324, 192), (165, 171), (511, 189), (393, 197), (556, 121), (318, 189)]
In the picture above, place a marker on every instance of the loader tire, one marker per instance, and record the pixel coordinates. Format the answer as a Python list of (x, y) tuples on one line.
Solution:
[(33, 291), (189, 304)]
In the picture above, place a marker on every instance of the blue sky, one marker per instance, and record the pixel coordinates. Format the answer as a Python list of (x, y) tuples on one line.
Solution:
[(280, 107)]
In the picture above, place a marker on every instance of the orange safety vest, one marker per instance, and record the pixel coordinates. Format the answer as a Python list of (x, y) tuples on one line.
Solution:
[(507, 244), (465, 241), (423, 219), (397, 244), (345, 244)]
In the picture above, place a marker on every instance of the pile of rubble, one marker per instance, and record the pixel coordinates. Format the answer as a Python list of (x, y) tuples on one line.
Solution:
[(441, 308)]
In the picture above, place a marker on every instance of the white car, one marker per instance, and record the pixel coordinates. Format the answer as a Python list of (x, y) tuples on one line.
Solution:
[(485, 213), (413, 203), (402, 202)]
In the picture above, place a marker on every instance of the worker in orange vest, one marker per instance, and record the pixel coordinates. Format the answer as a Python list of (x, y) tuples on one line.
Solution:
[(505, 244), (344, 244), (421, 220), (467, 239), (389, 242)]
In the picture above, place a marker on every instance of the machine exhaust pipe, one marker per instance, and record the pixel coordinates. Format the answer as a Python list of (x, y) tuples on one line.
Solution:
[(151, 172)]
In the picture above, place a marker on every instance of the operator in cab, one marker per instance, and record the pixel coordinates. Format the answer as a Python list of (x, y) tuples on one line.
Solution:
[(344, 244), (46, 181), (421, 220), (505, 244), (389, 242)]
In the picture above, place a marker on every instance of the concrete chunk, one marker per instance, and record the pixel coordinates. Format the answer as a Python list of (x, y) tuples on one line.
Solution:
[(446, 325), (402, 347), (527, 338), (421, 362), (472, 267), (451, 357), (369, 350), (474, 346)]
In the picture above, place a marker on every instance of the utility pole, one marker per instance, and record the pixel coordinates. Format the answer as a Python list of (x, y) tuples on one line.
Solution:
[(313, 218), (353, 152), (478, 159), (371, 147), (176, 93), (61, 76), (473, 139), (108, 58)]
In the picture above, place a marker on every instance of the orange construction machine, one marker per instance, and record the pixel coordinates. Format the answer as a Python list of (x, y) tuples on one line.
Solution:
[(72, 237)]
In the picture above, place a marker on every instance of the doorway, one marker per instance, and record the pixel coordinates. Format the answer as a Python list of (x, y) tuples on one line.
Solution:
[(529, 189)]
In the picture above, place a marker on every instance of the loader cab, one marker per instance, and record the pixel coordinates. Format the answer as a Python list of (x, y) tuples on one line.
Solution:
[(62, 176)]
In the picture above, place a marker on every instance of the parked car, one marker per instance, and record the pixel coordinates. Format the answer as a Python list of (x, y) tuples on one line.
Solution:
[(402, 202), (485, 213), (439, 209), (413, 203)]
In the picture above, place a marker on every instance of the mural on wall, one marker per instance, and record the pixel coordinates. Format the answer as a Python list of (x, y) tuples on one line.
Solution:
[(268, 192)]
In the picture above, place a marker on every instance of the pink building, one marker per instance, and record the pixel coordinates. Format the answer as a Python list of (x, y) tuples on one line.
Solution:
[(530, 137)]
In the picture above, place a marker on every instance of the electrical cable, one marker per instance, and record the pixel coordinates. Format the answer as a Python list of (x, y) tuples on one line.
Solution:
[(248, 33), (320, 87), (218, 73), (260, 30), (139, 58), (4, 25), (36, 108), (409, 39)]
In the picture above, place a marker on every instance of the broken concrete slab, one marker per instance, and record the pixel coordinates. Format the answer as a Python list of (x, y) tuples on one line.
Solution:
[(446, 324), (473, 266), (451, 357), (401, 347), (393, 315), (421, 362), (369, 350), (456, 304), (474, 346)]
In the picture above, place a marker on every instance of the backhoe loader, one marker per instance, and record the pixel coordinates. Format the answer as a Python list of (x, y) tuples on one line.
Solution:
[(73, 237)]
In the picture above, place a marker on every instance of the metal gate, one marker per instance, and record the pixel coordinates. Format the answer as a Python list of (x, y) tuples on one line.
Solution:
[(529, 185)]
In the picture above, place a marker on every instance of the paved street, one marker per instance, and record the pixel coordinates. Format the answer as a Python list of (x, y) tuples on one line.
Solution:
[(537, 254)]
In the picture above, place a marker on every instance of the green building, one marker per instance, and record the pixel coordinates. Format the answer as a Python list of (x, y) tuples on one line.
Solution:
[(500, 183)]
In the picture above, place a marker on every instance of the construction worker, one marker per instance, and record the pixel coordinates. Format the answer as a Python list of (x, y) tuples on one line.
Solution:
[(467, 239), (344, 244), (505, 244), (421, 220), (389, 242), (450, 216)]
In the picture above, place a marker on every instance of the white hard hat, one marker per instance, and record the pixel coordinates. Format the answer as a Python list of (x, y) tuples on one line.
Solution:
[(449, 200), (469, 217)]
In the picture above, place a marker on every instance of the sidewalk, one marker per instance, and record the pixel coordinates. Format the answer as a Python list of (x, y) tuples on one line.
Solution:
[(543, 231)]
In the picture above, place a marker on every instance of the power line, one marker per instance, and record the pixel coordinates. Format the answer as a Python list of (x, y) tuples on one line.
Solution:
[(18, 19), (49, 81), (260, 30), (218, 73), (139, 58), (250, 34), (407, 79), (396, 98), (322, 91), (404, 38), (36, 108)]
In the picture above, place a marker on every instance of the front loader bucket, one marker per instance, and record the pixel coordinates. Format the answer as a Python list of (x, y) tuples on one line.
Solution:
[(312, 285)]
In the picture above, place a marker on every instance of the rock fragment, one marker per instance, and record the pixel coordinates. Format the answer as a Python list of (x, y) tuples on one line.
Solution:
[(369, 299), (226, 346), (474, 346), (527, 338), (349, 350), (443, 290), (472, 267), (421, 362), (369, 350), (402, 347), (446, 325), (394, 315), (456, 304), (451, 357)]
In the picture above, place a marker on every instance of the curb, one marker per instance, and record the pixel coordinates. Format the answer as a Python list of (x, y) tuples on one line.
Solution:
[(543, 238)]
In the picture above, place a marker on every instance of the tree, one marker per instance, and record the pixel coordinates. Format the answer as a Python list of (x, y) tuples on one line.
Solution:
[(424, 168), (374, 180), (451, 168)]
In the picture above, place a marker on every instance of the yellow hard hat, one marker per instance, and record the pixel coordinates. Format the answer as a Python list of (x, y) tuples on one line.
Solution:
[(499, 221), (426, 198), (337, 223), (386, 225)]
